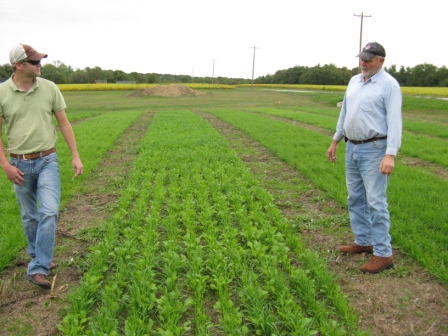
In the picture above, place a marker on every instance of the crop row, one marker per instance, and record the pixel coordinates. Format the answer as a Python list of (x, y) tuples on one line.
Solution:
[(416, 197), (197, 246)]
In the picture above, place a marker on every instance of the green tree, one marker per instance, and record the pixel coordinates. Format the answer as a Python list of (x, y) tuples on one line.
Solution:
[(51, 72), (79, 77), (5, 71), (151, 78), (329, 74), (423, 75), (442, 76), (57, 72)]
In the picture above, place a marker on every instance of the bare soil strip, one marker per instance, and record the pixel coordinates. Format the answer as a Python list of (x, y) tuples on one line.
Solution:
[(404, 301), (25, 309)]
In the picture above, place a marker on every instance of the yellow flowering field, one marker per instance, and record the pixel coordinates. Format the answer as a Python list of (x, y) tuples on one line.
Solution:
[(418, 91), (123, 87), (426, 91)]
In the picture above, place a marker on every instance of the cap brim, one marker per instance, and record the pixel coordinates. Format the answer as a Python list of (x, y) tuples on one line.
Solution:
[(366, 56), (36, 56)]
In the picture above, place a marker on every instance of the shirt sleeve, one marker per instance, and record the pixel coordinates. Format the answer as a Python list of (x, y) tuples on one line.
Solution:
[(58, 100), (339, 135), (393, 105)]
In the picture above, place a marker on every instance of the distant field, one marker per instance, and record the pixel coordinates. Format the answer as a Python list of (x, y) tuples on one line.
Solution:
[(417, 91)]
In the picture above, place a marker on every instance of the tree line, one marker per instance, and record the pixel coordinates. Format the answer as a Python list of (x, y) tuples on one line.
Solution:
[(426, 75), (61, 73), (421, 75)]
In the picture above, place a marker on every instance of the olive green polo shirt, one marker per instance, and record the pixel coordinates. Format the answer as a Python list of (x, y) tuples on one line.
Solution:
[(28, 116)]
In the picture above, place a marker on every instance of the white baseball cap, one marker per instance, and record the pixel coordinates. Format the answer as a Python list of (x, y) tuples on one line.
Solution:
[(24, 52)]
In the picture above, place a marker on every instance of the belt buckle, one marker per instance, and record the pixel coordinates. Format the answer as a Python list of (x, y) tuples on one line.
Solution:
[(23, 157)]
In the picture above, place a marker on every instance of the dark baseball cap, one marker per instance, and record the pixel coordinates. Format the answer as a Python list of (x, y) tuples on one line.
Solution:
[(371, 50)]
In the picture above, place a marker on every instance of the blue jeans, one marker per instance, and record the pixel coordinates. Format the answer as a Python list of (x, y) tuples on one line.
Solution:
[(39, 198), (367, 200)]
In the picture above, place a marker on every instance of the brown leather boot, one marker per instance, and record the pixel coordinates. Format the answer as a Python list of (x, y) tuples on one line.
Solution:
[(377, 264), (39, 279), (355, 248)]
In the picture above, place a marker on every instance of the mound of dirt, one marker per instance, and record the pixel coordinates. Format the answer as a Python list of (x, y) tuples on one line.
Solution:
[(173, 90)]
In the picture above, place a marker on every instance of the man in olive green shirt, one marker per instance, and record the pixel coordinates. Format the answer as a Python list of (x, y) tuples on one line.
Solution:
[(27, 106)]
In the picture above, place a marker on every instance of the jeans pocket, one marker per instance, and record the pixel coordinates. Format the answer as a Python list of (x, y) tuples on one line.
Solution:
[(53, 157), (13, 162), (380, 144)]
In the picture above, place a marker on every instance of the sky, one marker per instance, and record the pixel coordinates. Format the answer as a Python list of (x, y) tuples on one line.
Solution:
[(218, 38)]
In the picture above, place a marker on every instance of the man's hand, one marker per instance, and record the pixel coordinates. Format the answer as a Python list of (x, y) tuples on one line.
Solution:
[(387, 164), (331, 153), (15, 175), (77, 167)]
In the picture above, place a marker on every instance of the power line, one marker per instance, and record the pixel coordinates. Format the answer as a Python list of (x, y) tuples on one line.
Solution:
[(213, 71), (362, 16), (253, 65)]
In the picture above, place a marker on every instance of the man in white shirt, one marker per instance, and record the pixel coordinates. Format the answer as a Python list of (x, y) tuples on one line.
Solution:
[(370, 121)]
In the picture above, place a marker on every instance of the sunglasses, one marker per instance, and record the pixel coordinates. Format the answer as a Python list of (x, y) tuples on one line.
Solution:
[(32, 62)]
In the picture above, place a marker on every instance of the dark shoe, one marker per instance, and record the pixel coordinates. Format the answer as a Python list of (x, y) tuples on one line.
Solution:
[(52, 266), (38, 279), (355, 248), (377, 264)]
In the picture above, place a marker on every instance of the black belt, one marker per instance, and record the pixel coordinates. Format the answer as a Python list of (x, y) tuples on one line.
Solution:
[(358, 142), (32, 155)]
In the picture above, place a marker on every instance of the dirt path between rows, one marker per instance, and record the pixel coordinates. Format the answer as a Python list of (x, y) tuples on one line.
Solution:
[(406, 301)]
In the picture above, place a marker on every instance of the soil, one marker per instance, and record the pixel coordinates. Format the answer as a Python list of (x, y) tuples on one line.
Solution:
[(173, 90), (404, 301)]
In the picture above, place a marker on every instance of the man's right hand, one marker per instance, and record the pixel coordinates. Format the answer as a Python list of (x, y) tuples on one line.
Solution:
[(15, 175)]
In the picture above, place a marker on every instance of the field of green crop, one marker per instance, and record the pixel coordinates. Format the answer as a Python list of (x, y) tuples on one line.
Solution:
[(197, 246)]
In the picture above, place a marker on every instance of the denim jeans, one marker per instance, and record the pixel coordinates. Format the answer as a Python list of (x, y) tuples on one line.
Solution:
[(367, 200), (39, 198)]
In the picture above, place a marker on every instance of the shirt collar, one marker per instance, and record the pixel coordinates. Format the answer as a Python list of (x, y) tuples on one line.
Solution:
[(373, 79), (15, 88)]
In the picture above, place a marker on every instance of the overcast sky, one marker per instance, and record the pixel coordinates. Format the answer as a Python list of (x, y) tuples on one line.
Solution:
[(208, 37)]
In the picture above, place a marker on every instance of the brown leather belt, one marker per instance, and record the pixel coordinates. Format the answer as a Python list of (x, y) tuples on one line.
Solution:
[(33, 155), (356, 142)]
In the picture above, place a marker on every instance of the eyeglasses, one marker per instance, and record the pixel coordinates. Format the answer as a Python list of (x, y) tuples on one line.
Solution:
[(31, 62)]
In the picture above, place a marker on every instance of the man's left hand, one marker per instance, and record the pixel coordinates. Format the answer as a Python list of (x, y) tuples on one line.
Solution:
[(77, 167), (387, 164)]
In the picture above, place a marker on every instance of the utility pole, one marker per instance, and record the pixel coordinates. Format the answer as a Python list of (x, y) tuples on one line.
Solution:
[(192, 78), (362, 16), (213, 72), (253, 66)]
